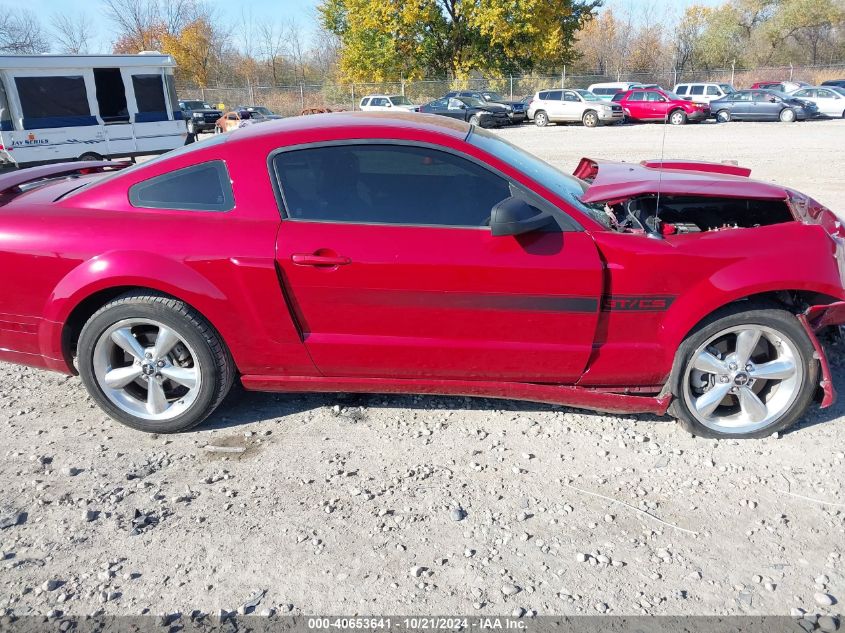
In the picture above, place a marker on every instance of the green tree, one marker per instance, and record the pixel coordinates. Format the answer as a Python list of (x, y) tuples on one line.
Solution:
[(383, 39)]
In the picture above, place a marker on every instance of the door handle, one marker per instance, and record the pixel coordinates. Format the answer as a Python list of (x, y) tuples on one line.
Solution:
[(307, 259)]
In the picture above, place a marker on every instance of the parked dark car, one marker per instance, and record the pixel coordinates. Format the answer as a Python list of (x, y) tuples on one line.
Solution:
[(837, 83), (517, 111), (468, 109), (762, 105), (200, 116), (262, 112)]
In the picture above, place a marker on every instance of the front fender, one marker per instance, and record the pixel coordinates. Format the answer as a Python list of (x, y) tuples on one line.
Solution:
[(734, 283)]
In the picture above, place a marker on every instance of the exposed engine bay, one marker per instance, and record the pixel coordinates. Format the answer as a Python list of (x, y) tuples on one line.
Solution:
[(689, 214)]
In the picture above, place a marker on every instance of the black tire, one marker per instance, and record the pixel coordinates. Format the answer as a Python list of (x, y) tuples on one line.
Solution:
[(590, 119), (541, 119), (746, 314), (192, 128), (216, 366), (723, 116), (475, 120), (90, 156), (677, 117)]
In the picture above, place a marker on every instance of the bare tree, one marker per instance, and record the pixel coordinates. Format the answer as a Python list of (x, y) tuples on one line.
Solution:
[(295, 48), (21, 32), (135, 21), (271, 45), (72, 34)]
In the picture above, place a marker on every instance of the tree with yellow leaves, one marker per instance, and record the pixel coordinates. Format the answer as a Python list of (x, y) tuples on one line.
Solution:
[(384, 39)]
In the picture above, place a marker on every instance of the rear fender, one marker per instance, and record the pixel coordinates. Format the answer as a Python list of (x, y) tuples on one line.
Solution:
[(122, 269)]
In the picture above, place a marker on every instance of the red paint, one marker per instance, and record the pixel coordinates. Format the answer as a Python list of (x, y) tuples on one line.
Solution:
[(568, 318), (594, 399), (826, 383), (659, 104)]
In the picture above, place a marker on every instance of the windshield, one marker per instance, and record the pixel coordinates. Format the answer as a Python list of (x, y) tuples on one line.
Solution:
[(837, 89), (493, 96), (196, 105), (586, 95), (400, 100), (564, 185), (472, 101), (261, 110)]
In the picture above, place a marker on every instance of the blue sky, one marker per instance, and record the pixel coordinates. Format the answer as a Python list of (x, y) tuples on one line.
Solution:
[(303, 11)]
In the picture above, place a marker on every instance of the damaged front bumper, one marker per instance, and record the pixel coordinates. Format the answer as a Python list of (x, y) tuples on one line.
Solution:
[(815, 319)]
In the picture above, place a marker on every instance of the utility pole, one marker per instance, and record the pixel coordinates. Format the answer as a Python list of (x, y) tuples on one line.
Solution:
[(733, 71)]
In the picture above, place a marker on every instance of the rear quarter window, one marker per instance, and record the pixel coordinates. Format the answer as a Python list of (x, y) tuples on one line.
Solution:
[(203, 187)]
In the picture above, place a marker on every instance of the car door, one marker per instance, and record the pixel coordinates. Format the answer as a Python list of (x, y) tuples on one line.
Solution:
[(830, 103), (656, 106), (457, 109), (763, 107), (391, 269), (554, 105), (635, 105), (741, 105), (571, 106)]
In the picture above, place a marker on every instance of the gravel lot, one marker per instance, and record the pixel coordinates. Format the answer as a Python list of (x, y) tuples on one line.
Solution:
[(401, 505)]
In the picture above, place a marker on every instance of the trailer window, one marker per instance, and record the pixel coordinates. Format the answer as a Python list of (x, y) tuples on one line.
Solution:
[(171, 93), (111, 95), (149, 97), (5, 116), (48, 102)]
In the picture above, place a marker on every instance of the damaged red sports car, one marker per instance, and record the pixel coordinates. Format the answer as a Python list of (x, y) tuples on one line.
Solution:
[(403, 253)]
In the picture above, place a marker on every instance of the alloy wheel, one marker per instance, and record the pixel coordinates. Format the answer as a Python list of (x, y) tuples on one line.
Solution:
[(146, 369), (743, 379)]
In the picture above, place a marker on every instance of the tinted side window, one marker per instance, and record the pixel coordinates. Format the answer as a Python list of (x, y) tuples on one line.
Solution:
[(387, 184), (543, 95), (203, 187), (697, 90), (54, 101), (681, 90), (555, 95), (637, 96), (149, 93)]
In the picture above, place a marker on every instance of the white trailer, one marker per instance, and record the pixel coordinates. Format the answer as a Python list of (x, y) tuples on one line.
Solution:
[(67, 107)]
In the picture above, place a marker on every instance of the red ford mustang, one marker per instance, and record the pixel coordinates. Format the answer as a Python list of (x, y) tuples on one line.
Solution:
[(413, 254)]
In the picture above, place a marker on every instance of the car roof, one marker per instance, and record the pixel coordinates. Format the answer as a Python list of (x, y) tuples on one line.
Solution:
[(350, 120)]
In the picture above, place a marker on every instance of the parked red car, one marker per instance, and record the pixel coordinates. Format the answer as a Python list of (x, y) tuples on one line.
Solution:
[(655, 104), (405, 253)]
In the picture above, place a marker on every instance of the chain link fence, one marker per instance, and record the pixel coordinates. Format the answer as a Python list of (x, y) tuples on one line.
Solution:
[(292, 99)]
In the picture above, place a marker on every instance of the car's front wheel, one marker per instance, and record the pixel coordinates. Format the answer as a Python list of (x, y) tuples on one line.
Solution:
[(154, 363), (192, 128), (746, 373), (590, 119), (678, 117), (723, 116), (787, 115)]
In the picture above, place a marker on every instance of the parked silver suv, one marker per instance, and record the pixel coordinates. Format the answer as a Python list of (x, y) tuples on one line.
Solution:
[(552, 106)]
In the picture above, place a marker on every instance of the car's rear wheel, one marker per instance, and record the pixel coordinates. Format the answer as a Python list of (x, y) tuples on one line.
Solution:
[(590, 119), (746, 373), (90, 156), (723, 116), (677, 117), (787, 115), (541, 119), (154, 363)]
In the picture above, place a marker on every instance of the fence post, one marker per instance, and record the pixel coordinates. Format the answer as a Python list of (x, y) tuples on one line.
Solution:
[(511, 78), (563, 77), (202, 93), (302, 95), (402, 85), (251, 91), (733, 71), (790, 71), (675, 73), (353, 97)]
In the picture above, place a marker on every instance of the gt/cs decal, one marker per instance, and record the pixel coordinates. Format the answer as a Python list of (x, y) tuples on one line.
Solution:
[(636, 303)]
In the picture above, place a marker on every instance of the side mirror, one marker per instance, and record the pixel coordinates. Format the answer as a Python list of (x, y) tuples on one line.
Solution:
[(514, 216), (389, 105), (773, 99)]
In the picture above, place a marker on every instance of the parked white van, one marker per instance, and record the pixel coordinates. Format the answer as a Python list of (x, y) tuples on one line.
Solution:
[(66, 107), (703, 92), (608, 89)]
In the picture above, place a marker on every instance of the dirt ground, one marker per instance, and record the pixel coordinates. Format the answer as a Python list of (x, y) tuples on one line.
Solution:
[(417, 505)]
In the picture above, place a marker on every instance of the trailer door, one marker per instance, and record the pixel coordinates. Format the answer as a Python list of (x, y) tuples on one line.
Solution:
[(111, 100)]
